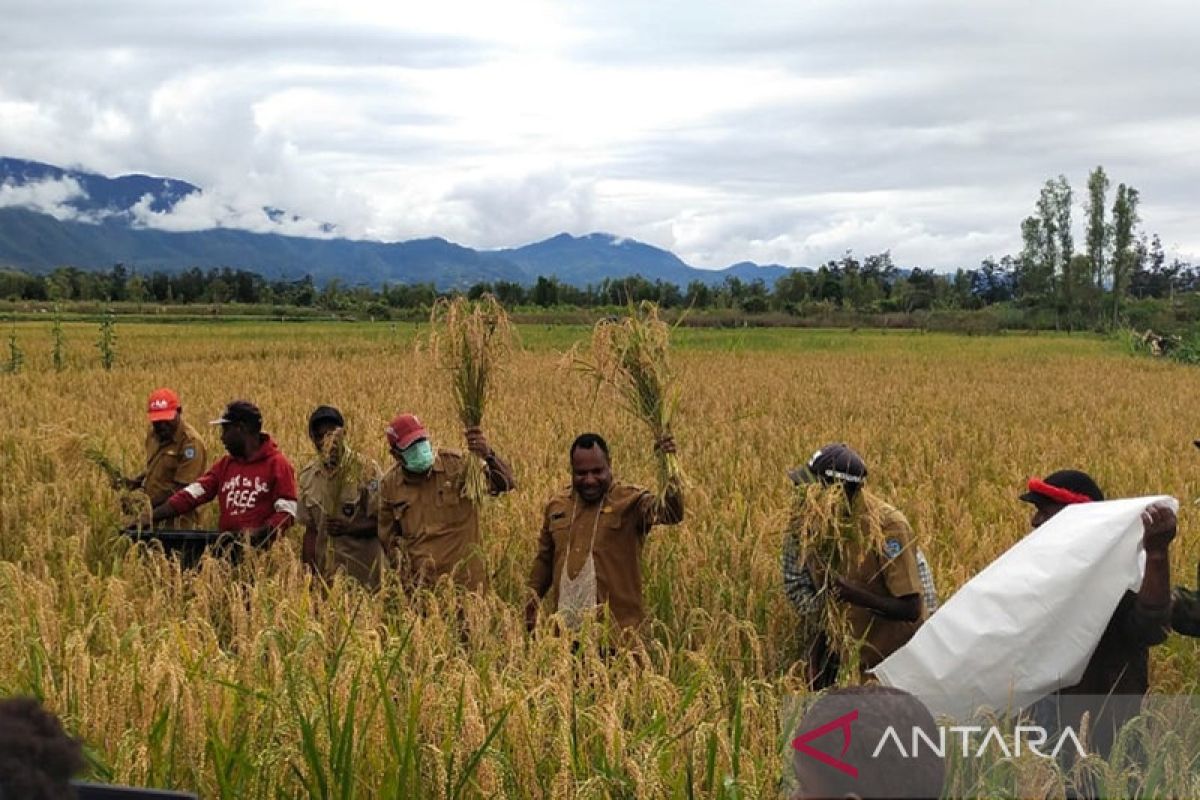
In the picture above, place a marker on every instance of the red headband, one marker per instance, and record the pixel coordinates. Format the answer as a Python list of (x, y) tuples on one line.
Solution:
[(1057, 493)]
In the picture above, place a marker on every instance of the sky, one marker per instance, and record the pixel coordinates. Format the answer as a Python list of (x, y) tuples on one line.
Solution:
[(777, 132)]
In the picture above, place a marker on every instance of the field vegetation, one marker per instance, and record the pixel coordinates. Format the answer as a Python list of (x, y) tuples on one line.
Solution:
[(250, 681)]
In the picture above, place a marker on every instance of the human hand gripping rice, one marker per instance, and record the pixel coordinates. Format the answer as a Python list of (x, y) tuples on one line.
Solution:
[(470, 341), (631, 356)]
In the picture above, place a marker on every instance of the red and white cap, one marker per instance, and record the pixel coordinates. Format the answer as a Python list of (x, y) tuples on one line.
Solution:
[(406, 429), (162, 405)]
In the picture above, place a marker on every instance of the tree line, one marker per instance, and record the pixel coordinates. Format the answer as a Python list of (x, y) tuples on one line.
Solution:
[(1049, 277)]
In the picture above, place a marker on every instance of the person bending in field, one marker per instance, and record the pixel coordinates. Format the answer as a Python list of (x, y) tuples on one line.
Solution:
[(856, 720), (339, 502), (175, 454), (424, 515), (885, 596), (254, 484), (589, 556), (1118, 675)]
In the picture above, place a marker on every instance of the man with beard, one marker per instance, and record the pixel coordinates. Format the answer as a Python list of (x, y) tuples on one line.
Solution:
[(175, 454), (254, 484), (339, 498), (589, 557)]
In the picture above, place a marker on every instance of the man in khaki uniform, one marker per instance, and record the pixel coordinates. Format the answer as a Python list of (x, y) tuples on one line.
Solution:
[(424, 515), (883, 590), (589, 554), (175, 454), (339, 499)]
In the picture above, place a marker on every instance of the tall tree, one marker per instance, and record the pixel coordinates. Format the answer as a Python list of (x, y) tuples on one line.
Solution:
[(1048, 215), (1033, 281), (1124, 225), (1097, 227)]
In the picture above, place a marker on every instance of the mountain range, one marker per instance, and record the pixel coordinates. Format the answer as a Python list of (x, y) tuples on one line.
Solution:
[(51, 217)]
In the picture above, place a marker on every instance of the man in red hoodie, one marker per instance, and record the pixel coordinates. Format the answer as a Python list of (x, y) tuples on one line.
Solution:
[(255, 484)]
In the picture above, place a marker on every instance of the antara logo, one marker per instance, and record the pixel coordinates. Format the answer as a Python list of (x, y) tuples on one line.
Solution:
[(975, 741), (159, 405)]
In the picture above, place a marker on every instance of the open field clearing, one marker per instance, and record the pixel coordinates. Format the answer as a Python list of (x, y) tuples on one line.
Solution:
[(249, 681)]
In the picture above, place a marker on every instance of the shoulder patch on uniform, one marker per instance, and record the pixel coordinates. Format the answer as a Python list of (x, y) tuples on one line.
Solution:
[(893, 548), (189, 453)]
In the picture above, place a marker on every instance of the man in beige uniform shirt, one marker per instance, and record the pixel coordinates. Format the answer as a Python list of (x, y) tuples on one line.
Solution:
[(590, 551), (339, 501), (424, 516)]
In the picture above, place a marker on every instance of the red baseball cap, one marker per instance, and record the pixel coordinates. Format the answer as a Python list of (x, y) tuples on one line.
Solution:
[(162, 405), (406, 429)]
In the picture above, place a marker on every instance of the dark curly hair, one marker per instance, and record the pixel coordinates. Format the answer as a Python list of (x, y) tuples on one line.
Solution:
[(37, 757)]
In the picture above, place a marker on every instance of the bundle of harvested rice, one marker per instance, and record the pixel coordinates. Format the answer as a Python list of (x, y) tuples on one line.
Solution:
[(631, 356), (95, 454), (835, 532), (345, 466), (470, 340)]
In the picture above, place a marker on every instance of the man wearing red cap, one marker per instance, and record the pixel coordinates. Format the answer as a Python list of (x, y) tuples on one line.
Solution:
[(1118, 674), (175, 454), (424, 515)]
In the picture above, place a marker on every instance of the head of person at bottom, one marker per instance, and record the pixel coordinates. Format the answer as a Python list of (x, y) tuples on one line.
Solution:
[(591, 467), (850, 725), (37, 757)]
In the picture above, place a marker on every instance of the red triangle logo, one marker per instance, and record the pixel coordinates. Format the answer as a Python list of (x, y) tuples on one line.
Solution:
[(842, 723)]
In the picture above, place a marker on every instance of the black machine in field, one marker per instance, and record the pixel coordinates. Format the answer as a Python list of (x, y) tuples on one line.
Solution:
[(103, 791), (189, 546)]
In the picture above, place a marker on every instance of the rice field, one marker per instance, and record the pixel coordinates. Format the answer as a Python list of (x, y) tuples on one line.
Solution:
[(249, 681)]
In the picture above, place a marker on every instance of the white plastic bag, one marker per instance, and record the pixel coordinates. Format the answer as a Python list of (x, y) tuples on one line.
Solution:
[(1027, 624)]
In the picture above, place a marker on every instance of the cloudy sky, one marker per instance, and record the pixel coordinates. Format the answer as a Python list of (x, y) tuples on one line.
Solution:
[(780, 132)]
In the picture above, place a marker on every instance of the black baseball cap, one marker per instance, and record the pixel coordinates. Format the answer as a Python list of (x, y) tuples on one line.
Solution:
[(833, 463), (1068, 480), (240, 412), (325, 414)]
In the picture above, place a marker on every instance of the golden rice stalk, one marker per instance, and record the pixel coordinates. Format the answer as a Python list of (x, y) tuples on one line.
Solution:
[(632, 357), (835, 532), (93, 453), (470, 340)]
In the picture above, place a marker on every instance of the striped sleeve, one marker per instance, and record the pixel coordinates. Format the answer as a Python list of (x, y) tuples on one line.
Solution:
[(928, 590), (798, 582)]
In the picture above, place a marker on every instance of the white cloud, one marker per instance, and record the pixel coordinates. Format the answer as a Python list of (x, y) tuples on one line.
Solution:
[(765, 130), (204, 210), (50, 196)]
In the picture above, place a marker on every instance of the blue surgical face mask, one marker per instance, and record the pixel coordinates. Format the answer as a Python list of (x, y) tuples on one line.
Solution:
[(418, 457)]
